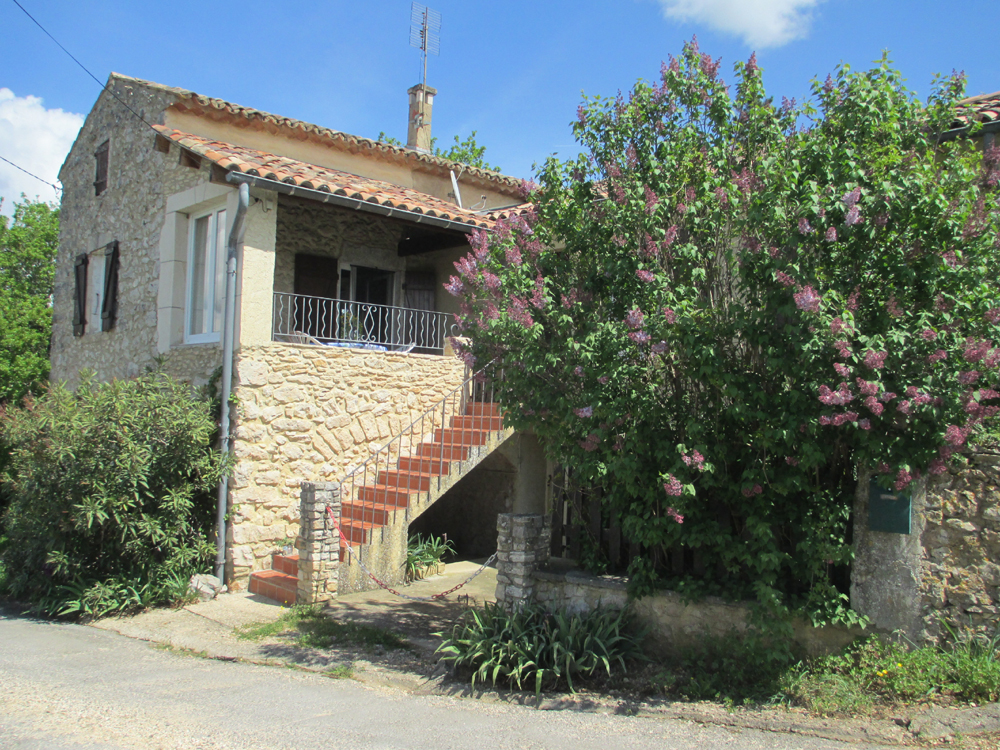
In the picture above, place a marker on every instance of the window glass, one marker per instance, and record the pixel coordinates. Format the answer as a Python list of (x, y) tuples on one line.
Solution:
[(207, 273)]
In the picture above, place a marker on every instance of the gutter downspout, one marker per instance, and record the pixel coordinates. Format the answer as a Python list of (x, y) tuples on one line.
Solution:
[(228, 335)]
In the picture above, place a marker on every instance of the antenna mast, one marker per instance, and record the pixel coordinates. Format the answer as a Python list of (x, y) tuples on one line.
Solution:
[(425, 33)]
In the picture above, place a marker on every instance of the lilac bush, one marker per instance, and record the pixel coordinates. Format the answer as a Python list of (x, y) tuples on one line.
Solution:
[(723, 309)]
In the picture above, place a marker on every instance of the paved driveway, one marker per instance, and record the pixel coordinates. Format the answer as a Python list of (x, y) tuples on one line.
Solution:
[(70, 686)]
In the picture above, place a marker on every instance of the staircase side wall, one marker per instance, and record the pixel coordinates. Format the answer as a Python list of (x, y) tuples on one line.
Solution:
[(308, 413)]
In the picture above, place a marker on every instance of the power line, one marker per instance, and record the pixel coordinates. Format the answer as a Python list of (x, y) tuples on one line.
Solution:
[(30, 174), (85, 70)]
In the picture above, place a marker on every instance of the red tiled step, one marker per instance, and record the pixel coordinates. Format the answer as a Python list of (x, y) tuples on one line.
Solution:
[(422, 465), (410, 481), (361, 511), (449, 436), (274, 585), (482, 408), (383, 495), (440, 450), (478, 423), (287, 564), (357, 532)]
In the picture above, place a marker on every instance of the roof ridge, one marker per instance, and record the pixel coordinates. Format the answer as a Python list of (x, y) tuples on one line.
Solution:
[(297, 173), (337, 138)]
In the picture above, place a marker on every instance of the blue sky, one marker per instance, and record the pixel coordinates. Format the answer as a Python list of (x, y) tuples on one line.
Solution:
[(513, 71)]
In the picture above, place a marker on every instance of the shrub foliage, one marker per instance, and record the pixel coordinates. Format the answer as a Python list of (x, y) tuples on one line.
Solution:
[(531, 647), (723, 307), (110, 494)]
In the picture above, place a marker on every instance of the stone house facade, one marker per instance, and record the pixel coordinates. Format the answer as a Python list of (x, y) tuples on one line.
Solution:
[(342, 325)]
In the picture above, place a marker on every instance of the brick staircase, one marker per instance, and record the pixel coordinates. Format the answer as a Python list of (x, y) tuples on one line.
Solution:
[(281, 582), (379, 501)]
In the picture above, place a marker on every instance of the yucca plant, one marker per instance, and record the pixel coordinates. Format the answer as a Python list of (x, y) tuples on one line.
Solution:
[(529, 645)]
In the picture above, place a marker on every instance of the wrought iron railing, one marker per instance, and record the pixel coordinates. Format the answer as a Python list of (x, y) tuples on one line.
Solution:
[(414, 463), (298, 318)]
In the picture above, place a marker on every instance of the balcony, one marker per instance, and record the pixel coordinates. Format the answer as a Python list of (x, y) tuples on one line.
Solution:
[(301, 319)]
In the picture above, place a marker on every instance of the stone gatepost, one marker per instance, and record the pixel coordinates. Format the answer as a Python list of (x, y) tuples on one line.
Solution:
[(522, 547), (318, 542), (886, 576)]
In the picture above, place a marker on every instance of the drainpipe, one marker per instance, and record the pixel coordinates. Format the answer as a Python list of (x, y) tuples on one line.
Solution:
[(228, 334)]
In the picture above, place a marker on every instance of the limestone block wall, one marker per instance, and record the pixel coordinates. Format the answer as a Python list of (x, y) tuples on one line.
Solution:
[(308, 413), (959, 572), (131, 210)]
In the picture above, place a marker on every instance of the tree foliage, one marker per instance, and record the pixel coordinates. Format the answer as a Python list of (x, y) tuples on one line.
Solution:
[(110, 494), (28, 244), (724, 308), (466, 152)]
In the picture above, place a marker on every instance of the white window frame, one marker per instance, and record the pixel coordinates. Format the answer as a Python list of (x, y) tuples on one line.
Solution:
[(217, 289)]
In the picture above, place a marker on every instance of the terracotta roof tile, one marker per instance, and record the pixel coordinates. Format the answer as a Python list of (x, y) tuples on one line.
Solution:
[(239, 115), (984, 108), (292, 171)]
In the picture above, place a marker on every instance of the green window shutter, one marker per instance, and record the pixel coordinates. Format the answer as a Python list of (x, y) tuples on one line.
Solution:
[(109, 305), (80, 295)]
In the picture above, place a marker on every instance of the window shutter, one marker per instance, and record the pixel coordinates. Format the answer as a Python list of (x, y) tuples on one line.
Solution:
[(109, 306), (80, 295)]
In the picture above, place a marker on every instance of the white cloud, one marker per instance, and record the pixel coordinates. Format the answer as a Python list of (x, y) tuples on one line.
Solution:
[(761, 23), (36, 139)]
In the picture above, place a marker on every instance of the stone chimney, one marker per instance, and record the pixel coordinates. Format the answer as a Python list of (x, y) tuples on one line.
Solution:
[(418, 134)]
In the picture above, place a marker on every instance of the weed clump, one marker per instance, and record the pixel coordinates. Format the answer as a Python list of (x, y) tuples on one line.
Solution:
[(529, 646)]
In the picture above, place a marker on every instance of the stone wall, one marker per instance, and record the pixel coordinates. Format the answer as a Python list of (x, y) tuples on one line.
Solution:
[(131, 210), (959, 570), (526, 574), (308, 413)]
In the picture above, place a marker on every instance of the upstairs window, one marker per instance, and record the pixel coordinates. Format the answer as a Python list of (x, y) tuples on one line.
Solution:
[(206, 277), (101, 173)]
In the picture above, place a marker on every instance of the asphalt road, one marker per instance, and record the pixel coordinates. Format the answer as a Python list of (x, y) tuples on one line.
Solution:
[(71, 686)]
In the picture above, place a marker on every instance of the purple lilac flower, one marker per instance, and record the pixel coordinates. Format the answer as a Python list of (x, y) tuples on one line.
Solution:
[(831, 235), (646, 276), (673, 486), (584, 412), (805, 227), (674, 514), (807, 299), (875, 360), (634, 319)]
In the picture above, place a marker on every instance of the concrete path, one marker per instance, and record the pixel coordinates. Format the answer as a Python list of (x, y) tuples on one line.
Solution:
[(71, 686)]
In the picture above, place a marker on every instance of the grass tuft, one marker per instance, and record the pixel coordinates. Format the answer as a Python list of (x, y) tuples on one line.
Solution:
[(316, 630)]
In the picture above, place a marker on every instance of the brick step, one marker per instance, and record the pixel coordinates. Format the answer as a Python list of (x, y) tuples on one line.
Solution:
[(357, 532), (442, 451), (450, 436), (482, 408), (432, 466), (492, 424), (275, 585), (287, 564), (411, 481), (384, 495), (374, 513)]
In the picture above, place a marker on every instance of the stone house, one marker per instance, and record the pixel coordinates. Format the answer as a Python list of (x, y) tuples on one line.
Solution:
[(341, 325)]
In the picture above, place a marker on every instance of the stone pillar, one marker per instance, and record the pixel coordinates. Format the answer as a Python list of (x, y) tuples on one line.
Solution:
[(886, 574), (318, 542), (522, 546)]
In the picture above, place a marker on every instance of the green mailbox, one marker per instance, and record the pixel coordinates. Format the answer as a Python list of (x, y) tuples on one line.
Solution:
[(888, 511)]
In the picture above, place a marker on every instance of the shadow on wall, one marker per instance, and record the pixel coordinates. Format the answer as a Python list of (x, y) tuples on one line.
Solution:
[(467, 513)]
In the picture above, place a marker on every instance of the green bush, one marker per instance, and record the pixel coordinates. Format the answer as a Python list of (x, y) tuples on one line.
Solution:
[(531, 645), (110, 495)]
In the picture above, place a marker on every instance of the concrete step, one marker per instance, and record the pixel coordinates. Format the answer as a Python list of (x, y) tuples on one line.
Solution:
[(275, 585)]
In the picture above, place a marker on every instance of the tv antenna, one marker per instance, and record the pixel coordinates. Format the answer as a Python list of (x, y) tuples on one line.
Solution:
[(425, 33)]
